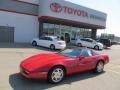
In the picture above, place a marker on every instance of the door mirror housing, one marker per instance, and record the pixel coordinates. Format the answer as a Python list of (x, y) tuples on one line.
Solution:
[(81, 57)]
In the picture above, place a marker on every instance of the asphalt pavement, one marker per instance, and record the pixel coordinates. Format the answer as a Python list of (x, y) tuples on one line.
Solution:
[(12, 55)]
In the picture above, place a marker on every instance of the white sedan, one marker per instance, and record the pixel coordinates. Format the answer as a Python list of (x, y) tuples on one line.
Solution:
[(88, 42), (51, 42)]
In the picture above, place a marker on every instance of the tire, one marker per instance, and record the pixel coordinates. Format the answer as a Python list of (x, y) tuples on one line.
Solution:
[(52, 47), (96, 47), (79, 44), (105, 47), (34, 43), (56, 75), (99, 67)]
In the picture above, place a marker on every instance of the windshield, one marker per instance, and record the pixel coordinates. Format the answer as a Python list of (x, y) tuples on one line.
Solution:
[(73, 53)]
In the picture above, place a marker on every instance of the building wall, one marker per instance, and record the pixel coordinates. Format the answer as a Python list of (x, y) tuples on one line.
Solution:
[(26, 26), (18, 7), (23, 16), (31, 1)]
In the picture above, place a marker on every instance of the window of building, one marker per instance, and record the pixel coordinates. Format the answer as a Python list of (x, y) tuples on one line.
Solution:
[(60, 30), (45, 29)]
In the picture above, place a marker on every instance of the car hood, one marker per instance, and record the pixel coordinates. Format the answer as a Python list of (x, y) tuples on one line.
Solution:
[(40, 60)]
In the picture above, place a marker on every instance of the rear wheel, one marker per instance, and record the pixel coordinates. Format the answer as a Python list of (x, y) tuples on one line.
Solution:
[(52, 47), (105, 46), (79, 44), (99, 67), (56, 74), (96, 47), (34, 43)]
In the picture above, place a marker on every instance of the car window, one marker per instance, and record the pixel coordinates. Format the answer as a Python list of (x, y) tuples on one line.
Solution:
[(105, 40), (74, 53), (102, 40), (83, 39), (86, 53), (46, 38), (88, 40), (49, 39), (42, 38), (73, 38)]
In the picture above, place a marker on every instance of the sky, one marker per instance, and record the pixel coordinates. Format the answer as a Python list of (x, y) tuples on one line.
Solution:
[(110, 7)]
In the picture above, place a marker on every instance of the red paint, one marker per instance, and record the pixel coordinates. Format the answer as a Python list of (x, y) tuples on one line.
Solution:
[(39, 65), (26, 2), (57, 8), (76, 12), (17, 12)]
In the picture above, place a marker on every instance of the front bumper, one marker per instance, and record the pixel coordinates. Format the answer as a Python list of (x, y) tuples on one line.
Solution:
[(33, 75)]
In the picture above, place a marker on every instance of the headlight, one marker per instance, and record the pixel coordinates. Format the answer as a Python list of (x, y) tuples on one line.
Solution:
[(27, 72), (24, 71)]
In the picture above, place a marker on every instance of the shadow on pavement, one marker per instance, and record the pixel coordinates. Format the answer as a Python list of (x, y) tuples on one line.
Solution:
[(107, 48), (18, 82), (45, 49), (24, 46), (15, 45)]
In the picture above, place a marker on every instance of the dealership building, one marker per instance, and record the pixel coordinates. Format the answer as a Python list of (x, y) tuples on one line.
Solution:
[(23, 20)]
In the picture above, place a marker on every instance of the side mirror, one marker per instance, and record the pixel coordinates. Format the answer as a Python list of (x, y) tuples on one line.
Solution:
[(81, 57)]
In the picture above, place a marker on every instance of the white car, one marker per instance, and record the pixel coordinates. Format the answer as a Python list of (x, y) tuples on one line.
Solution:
[(51, 42), (88, 42)]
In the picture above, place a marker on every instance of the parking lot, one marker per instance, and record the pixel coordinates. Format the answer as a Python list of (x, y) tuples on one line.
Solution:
[(11, 55)]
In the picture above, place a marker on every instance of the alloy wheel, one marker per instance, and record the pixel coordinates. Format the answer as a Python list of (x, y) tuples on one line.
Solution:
[(52, 47), (100, 67), (56, 75), (96, 47)]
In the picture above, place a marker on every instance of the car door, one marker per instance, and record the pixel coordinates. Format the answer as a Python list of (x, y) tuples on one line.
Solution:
[(83, 42), (41, 41), (86, 61), (90, 43), (48, 41)]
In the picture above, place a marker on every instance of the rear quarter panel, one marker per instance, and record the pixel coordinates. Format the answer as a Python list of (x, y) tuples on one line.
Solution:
[(104, 58)]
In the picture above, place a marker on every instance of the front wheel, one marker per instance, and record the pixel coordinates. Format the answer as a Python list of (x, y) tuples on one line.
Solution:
[(34, 43), (56, 75), (79, 44), (99, 67)]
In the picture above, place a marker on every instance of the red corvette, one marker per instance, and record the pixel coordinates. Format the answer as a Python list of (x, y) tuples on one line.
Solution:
[(54, 66)]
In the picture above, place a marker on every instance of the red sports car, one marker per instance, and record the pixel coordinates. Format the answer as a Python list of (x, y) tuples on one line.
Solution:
[(54, 66)]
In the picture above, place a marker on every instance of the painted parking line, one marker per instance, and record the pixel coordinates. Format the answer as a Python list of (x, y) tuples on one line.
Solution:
[(113, 65), (114, 68), (113, 71)]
